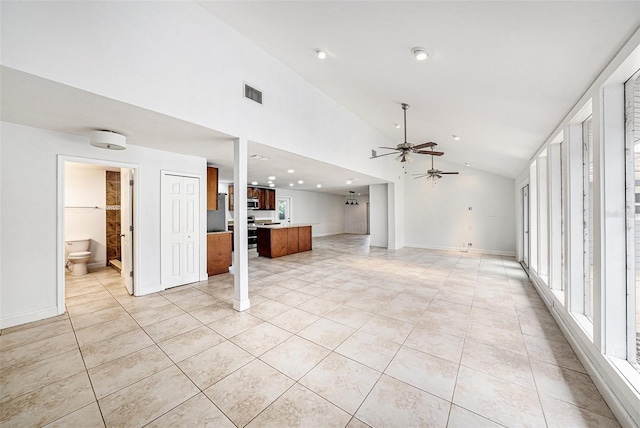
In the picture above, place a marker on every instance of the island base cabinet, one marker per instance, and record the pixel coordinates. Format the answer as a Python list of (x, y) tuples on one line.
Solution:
[(278, 242), (218, 253)]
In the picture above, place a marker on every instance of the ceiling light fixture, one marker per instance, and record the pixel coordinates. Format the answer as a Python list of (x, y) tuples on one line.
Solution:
[(254, 183), (455, 137), (300, 182), (271, 177), (351, 200), (108, 140), (397, 125), (259, 157), (321, 54), (349, 181), (290, 171), (420, 54), (467, 164), (272, 185), (318, 185), (290, 184)]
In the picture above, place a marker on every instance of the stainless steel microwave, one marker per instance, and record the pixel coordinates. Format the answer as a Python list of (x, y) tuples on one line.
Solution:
[(252, 204)]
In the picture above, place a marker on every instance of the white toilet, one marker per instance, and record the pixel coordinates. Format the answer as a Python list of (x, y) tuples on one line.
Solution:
[(78, 255)]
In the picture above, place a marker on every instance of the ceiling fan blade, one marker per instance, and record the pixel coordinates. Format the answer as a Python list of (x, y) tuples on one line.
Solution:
[(441, 172), (429, 152), (379, 156), (419, 176), (425, 145), (389, 148)]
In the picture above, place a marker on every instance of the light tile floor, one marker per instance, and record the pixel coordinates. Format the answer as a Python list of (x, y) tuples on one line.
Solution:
[(341, 336)]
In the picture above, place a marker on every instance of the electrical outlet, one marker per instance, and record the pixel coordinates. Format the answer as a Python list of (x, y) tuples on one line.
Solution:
[(470, 244), (470, 208)]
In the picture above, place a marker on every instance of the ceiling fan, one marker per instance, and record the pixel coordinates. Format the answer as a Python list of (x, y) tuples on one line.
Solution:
[(433, 173), (405, 149)]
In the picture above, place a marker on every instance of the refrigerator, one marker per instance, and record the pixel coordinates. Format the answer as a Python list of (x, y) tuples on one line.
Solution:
[(217, 220)]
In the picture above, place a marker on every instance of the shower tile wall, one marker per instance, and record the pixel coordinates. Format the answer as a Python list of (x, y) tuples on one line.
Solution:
[(113, 215)]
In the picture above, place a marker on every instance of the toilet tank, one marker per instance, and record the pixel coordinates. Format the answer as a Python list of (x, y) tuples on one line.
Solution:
[(76, 246)]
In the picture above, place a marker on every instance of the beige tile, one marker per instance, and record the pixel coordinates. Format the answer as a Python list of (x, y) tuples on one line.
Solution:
[(88, 416), (175, 326), (96, 305), (553, 352), (268, 309), (299, 407), (18, 381), (86, 298), (117, 374), (394, 403), (507, 339), (505, 365), (15, 338), (272, 291), (326, 333), (144, 401), (47, 404), (293, 298), (196, 302), (570, 386), (369, 350), (387, 328), (235, 324), (30, 325), (455, 325), (261, 338), (424, 371), (98, 317), (295, 356), (213, 313), (195, 412), (560, 414), (156, 314), (190, 343), (37, 351), (498, 400), (115, 347), (98, 332), (248, 391), (342, 381), (208, 367), (463, 418), (436, 343), (137, 304), (357, 423), (294, 320), (351, 317), (318, 306)]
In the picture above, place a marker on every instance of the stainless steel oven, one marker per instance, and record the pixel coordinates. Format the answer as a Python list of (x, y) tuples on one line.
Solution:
[(252, 232)]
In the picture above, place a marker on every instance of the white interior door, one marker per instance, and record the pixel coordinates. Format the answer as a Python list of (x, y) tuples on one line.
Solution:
[(525, 225), (126, 227), (180, 220)]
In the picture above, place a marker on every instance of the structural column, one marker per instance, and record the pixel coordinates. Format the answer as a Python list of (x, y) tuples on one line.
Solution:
[(240, 234)]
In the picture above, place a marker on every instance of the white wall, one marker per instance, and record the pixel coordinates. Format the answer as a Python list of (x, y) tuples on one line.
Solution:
[(86, 187), (323, 209), (378, 214), (355, 216), (30, 248), (438, 215)]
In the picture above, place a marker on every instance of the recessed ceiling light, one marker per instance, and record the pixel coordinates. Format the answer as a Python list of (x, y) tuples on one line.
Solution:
[(270, 182), (396, 125), (290, 184), (455, 137), (321, 54), (272, 185), (300, 182), (254, 183), (318, 185), (259, 157), (420, 54), (290, 171), (467, 164), (348, 181), (271, 177)]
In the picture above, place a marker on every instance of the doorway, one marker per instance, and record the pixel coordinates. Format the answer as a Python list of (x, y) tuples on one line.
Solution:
[(525, 225), (284, 209), (96, 215)]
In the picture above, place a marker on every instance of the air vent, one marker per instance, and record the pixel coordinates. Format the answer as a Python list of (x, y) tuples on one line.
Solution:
[(253, 94)]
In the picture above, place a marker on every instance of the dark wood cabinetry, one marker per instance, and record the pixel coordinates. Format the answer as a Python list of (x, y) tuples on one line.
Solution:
[(218, 252), (266, 197), (281, 241), (212, 188)]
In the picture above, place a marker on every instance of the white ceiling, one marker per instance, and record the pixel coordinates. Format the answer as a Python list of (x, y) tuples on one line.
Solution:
[(502, 74)]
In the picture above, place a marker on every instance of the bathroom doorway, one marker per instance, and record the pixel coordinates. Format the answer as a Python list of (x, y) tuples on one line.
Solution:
[(96, 207)]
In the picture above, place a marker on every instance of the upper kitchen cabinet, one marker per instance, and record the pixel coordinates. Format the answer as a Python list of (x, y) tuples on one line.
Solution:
[(266, 197), (212, 188)]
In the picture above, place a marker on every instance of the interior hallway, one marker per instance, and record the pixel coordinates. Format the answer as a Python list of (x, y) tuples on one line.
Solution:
[(342, 336)]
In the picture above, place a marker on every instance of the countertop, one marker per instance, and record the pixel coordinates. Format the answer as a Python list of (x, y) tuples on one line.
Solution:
[(219, 232), (282, 225)]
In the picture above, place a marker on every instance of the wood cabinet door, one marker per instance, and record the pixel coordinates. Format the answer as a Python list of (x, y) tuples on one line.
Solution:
[(270, 199), (260, 194), (230, 191), (292, 240), (212, 188), (279, 242), (304, 238)]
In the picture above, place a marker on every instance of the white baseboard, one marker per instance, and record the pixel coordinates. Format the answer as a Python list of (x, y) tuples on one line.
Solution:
[(458, 249), (28, 317)]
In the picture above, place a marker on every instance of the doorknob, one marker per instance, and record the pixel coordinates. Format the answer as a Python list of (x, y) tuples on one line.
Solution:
[(122, 235)]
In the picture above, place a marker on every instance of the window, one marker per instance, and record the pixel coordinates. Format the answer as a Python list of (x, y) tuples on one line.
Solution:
[(587, 173)]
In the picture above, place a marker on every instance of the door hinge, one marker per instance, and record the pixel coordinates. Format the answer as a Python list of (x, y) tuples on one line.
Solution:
[(131, 228), (130, 182), (131, 274)]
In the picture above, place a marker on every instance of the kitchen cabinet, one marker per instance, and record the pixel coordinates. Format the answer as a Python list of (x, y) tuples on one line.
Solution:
[(266, 197), (280, 241), (212, 188), (218, 252)]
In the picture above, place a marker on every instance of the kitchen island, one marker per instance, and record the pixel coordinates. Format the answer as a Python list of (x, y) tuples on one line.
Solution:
[(281, 240)]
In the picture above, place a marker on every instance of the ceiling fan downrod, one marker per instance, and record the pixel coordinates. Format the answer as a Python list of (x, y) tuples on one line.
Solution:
[(405, 107)]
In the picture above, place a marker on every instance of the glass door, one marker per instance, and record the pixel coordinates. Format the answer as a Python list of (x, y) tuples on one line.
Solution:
[(284, 209)]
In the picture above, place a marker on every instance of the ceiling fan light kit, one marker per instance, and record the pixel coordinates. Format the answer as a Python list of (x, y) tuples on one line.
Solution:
[(420, 54), (351, 199)]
